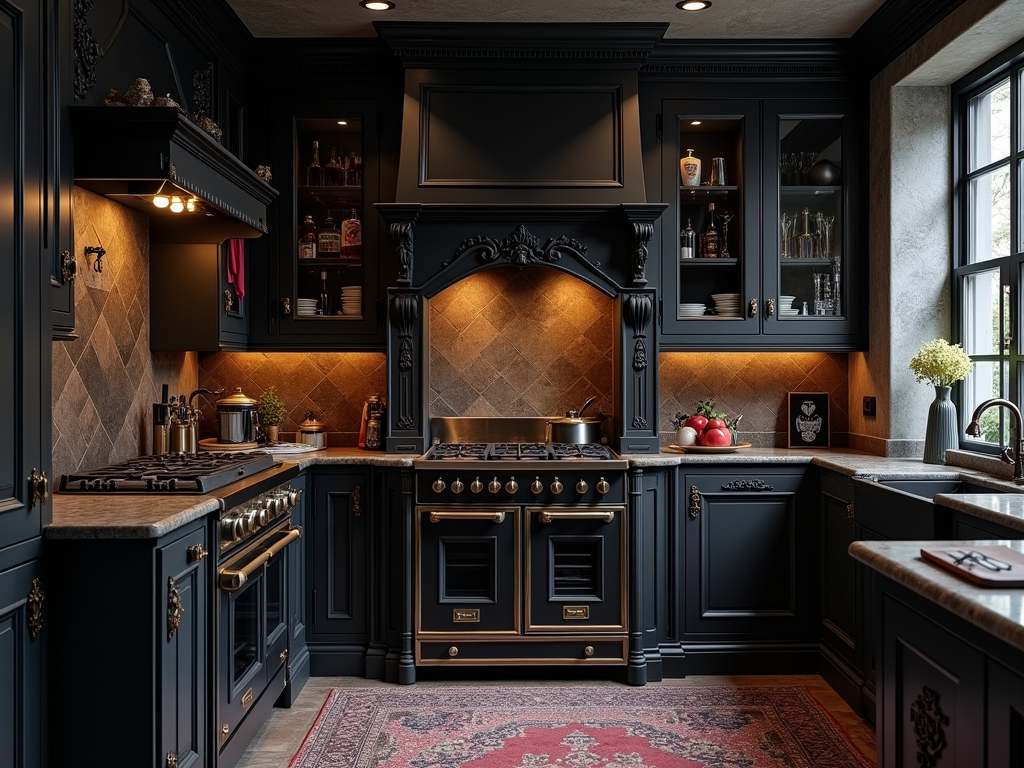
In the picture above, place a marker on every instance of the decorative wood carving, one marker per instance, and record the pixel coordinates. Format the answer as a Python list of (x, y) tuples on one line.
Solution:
[(202, 91), (175, 608), (928, 719), (87, 50), (637, 308), (520, 248), (357, 501), (35, 609), (643, 231), (747, 485), (401, 233), (405, 314)]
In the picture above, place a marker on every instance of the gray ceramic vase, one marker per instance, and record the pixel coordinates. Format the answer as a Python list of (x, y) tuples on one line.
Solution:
[(942, 431)]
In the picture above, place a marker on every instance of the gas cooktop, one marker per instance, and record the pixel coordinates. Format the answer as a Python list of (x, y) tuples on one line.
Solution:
[(520, 451), (170, 473)]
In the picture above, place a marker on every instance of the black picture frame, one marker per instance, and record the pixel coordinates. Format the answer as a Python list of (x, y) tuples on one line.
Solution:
[(809, 420)]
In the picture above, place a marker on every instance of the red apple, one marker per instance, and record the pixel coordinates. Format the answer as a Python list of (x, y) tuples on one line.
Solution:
[(715, 436), (715, 424), (697, 421)]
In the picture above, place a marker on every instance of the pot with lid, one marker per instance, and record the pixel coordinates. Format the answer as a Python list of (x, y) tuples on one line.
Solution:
[(237, 420), (574, 428), (312, 432)]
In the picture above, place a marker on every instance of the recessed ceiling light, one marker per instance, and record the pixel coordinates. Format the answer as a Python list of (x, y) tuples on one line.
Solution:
[(343, 122), (695, 122), (693, 5), (377, 5)]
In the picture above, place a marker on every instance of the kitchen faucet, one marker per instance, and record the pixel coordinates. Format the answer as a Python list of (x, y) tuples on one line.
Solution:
[(1018, 435)]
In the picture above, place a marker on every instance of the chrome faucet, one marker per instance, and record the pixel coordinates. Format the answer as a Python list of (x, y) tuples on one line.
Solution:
[(1017, 438)]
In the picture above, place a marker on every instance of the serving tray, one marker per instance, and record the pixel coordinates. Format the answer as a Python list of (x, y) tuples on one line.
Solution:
[(709, 448), (986, 566)]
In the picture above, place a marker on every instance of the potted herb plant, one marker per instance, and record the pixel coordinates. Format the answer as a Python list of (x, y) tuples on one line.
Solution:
[(271, 410), (942, 365)]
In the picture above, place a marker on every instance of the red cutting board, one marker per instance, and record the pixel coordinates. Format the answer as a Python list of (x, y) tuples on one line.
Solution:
[(976, 573)]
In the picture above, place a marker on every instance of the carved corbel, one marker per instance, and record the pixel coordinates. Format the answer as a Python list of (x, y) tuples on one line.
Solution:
[(405, 312), (643, 231), (401, 233)]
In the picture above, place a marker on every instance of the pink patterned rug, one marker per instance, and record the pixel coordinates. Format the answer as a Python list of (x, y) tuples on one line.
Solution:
[(575, 727)]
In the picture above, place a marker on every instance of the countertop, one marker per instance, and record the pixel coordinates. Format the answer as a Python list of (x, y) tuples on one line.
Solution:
[(144, 517), (1000, 612)]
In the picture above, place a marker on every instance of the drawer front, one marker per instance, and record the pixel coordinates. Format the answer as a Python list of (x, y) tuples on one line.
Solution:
[(525, 651)]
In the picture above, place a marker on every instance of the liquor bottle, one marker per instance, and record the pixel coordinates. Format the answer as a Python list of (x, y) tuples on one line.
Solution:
[(688, 242), (323, 306), (329, 240), (351, 234), (709, 240), (307, 239), (689, 170), (314, 171), (332, 171)]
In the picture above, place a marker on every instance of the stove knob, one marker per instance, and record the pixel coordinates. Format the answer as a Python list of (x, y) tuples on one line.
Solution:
[(581, 486), (457, 486), (511, 486), (227, 530), (250, 521), (494, 486), (238, 530), (537, 487), (294, 496), (438, 485), (603, 487), (265, 514), (476, 486), (556, 487)]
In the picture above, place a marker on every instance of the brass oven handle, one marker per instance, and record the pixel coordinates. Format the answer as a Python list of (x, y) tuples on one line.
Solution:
[(550, 515), (231, 579), (495, 517)]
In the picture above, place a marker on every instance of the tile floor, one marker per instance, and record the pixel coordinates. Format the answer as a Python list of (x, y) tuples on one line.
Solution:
[(282, 734)]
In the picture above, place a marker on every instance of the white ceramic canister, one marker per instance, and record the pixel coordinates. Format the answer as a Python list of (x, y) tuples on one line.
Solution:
[(689, 170)]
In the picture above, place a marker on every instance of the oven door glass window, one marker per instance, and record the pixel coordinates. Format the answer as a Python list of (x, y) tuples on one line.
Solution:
[(246, 631)]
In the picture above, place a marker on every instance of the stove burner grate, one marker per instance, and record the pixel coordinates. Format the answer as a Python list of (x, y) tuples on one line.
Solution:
[(524, 451), (170, 473)]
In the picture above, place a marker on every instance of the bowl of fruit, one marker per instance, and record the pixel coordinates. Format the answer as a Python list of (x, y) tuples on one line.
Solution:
[(707, 430)]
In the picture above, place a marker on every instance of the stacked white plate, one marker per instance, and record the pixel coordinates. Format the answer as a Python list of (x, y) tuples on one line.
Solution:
[(351, 299), (786, 306), (727, 304), (306, 306), (691, 310)]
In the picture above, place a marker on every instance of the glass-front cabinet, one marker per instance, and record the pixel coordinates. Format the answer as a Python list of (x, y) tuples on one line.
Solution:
[(327, 262), (764, 240)]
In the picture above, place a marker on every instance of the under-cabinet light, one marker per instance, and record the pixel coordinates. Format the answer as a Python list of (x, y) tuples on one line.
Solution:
[(377, 5), (693, 5), (161, 201), (695, 122), (176, 205)]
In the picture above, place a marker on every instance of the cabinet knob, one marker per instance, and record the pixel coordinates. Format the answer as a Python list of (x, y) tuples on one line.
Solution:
[(581, 486), (438, 485), (172, 760), (286, 306), (68, 267), (752, 308), (588, 651), (38, 488), (850, 516), (196, 553), (229, 301), (769, 307), (603, 486), (453, 651)]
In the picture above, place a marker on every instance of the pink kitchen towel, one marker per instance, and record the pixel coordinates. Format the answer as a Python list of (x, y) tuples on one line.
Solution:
[(236, 266)]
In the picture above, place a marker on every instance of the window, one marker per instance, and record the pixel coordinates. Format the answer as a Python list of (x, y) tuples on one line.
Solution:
[(988, 266)]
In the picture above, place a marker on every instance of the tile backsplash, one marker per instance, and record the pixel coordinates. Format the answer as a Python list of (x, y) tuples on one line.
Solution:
[(105, 382)]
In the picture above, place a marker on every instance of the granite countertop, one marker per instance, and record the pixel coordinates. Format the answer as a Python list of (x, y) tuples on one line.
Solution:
[(1006, 509), (998, 611)]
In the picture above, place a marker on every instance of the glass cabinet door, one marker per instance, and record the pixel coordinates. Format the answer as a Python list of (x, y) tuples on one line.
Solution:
[(810, 235), (328, 263), (712, 246)]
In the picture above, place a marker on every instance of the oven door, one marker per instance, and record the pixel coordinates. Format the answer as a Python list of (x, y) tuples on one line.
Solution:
[(469, 572), (252, 638), (576, 577)]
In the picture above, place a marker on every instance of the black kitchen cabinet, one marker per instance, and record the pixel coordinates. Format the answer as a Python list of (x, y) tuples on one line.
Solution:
[(766, 284), (338, 571), (969, 527), (750, 555), (297, 665), (323, 261), (161, 612), (23, 636), (60, 176)]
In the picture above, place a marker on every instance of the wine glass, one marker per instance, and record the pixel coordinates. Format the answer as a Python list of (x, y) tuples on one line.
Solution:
[(725, 217), (788, 223)]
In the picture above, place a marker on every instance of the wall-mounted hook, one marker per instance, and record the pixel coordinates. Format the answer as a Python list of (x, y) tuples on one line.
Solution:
[(100, 252)]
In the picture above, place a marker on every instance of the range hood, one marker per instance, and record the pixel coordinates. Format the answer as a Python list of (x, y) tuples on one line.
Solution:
[(133, 154)]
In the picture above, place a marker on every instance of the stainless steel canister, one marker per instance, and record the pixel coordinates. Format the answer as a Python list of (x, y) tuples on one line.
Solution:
[(237, 419)]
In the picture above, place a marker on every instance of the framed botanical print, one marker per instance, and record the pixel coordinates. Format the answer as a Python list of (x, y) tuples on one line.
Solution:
[(809, 423)]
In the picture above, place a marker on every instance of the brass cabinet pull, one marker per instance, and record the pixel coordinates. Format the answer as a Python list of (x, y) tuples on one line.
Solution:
[(196, 553), (453, 651), (588, 651), (694, 501), (550, 515), (357, 501), (231, 579), (229, 301), (747, 485), (769, 307), (286, 306), (35, 609), (38, 488), (494, 517), (172, 760), (225, 731), (175, 608), (850, 517), (753, 308), (68, 267)]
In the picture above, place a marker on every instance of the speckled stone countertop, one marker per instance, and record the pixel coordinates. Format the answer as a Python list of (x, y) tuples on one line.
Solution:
[(1000, 612), (1007, 509)]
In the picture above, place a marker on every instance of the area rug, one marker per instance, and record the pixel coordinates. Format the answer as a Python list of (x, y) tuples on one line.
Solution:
[(576, 727)]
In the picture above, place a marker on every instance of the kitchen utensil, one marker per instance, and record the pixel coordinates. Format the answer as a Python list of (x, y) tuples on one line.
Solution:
[(237, 419), (574, 428)]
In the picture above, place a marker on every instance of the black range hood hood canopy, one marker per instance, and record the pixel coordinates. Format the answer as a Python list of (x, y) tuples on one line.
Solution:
[(130, 154)]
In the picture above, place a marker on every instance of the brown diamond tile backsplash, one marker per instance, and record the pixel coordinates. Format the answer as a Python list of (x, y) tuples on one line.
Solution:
[(519, 342), (331, 385), (105, 382), (754, 384)]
